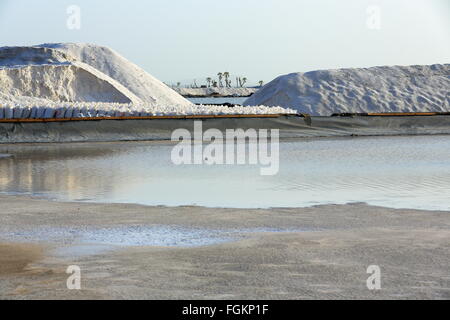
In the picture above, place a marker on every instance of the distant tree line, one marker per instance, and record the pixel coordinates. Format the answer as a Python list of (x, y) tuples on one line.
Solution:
[(223, 80)]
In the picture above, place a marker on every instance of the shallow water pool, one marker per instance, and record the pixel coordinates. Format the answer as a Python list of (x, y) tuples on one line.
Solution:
[(399, 172)]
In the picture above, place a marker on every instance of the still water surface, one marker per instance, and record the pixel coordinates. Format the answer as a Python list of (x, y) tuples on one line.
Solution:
[(218, 100), (399, 172)]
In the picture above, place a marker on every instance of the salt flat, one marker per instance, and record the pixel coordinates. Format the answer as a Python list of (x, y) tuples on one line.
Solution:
[(327, 257)]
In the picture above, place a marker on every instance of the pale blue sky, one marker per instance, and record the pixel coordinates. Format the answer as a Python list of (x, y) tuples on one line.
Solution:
[(178, 40)]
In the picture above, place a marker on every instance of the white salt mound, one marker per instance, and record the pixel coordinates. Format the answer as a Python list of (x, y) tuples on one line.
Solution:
[(84, 80), (79, 73), (377, 89), (140, 83)]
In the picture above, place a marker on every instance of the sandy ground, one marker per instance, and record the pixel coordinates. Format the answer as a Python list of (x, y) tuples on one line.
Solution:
[(299, 253)]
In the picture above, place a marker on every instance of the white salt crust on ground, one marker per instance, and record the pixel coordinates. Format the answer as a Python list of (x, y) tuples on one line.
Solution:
[(26, 110), (377, 89)]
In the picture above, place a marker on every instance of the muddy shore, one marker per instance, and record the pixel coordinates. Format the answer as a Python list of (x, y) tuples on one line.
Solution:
[(299, 253)]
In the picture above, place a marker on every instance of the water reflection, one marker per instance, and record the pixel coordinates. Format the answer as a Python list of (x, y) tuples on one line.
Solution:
[(410, 172), (219, 100), (56, 169)]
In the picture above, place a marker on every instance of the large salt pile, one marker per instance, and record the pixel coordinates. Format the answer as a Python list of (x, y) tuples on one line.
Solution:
[(144, 86), (377, 89), (83, 80), (79, 73)]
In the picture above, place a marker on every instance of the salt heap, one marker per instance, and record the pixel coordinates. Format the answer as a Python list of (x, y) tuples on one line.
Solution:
[(141, 84), (79, 73), (377, 89), (83, 80)]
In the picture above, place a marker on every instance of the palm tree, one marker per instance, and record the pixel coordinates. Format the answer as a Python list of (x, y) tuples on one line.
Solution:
[(241, 81), (226, 74), (261, 83), (220, 75)]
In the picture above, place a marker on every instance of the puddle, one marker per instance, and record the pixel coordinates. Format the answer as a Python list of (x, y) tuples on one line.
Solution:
[(93, 241), (82, 250)]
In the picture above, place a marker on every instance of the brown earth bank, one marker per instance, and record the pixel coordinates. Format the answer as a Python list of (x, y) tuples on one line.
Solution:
[(14, 258), (281, 253)]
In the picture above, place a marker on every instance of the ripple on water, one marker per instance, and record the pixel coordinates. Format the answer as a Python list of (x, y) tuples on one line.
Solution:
[(398, 172)]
